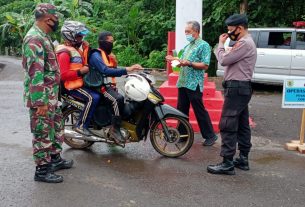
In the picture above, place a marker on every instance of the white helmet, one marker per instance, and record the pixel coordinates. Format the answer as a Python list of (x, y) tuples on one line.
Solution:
[(136, 87)]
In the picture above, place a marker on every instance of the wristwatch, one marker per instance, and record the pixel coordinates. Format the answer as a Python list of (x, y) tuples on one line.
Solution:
[(191, 64)]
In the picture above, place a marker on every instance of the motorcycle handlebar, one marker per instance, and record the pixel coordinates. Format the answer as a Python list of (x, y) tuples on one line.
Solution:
[(146, 70)]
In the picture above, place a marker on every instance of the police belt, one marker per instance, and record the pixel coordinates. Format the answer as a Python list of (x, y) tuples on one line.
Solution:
[(236, 84)]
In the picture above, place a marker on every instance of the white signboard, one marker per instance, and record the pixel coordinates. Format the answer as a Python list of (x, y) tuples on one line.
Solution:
[(294, 93)]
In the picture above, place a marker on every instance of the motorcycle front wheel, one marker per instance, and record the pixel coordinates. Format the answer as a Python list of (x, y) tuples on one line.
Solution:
[(180, 140), (70, 118)]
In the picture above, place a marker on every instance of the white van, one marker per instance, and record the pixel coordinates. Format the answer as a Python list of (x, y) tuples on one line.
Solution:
[(280, 54)]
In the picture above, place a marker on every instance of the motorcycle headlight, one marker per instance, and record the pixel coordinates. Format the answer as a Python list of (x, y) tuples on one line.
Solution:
[(154, 99)]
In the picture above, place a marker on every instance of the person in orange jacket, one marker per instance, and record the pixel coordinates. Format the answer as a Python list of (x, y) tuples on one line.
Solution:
[(73, 61), (103, 60)]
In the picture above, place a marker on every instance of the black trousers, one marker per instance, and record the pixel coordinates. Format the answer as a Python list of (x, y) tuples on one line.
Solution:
[(187, 97), (115, 99), (234, 122)]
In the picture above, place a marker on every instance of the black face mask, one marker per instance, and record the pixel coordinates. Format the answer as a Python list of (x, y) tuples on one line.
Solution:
[(77, 44), (54, 27), (232, 35), (106, 46)]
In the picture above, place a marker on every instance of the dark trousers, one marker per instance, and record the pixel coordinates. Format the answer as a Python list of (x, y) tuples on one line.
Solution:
[(115, 99), (234, 122), (91, 98), (187, 97)]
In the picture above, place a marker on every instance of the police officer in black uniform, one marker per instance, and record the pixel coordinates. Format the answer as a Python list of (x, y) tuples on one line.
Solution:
[(239, 64)]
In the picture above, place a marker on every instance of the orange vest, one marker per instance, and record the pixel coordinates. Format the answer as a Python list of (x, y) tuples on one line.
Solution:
[(111, 63), (78, 59)]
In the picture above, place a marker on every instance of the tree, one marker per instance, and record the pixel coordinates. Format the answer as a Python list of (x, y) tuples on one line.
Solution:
[(140, 26), (243, 6)]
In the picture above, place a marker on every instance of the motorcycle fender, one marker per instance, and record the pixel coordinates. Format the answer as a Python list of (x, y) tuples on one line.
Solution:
[(165, 109)]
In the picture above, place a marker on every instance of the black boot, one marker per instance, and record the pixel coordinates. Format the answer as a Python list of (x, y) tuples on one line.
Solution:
[(226, 167), (115, 129), (242, 162), (44, 174), (57, 163)]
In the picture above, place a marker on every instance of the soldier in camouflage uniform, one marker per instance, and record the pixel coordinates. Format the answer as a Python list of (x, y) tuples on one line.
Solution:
[(41, 88)]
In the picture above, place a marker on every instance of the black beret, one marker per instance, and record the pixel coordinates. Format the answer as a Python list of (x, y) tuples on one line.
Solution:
[(236, 19)]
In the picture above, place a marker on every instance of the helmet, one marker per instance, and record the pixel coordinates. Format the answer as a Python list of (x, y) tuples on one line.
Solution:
[(71, 29), (136, 87)]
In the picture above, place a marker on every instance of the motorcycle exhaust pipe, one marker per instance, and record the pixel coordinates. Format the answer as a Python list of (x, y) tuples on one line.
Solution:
[(75, 135)]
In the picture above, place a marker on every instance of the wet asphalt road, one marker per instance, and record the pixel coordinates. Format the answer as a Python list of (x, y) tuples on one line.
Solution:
[(139, 176)]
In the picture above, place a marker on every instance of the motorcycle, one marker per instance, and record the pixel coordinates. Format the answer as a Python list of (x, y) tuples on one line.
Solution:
[(170, 133)]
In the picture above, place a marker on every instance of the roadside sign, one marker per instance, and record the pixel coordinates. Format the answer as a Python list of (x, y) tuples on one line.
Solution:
[(293, 93), (294, 97)]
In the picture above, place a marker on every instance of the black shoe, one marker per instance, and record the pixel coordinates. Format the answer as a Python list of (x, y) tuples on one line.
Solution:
[(44, 174), (116, 135), (115, 131), (57, 163), (210, 142), (226, 167), (83, 131), (241, 162)]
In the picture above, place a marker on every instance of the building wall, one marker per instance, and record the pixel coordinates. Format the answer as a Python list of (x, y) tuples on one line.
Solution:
[(186, 10)]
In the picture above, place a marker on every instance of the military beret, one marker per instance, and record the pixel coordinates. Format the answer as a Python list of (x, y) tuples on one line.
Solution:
[(45, 8), (236, 19)]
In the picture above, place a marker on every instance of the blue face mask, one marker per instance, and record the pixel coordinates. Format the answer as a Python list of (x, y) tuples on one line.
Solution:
[(189, 37)]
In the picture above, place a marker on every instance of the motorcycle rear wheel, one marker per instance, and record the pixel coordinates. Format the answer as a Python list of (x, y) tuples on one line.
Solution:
[(70, 117), (181, 136)]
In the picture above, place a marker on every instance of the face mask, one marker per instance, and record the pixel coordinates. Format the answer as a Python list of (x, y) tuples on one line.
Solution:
[(54, 27), (232, 35), (78, 44), (106, 46), (189, 37)]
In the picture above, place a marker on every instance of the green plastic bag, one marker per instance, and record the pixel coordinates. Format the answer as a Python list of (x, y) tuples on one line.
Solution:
[(177, 69), (93, 79)]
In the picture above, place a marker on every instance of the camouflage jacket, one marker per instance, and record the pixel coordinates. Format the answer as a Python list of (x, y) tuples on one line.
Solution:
[(42, 76)]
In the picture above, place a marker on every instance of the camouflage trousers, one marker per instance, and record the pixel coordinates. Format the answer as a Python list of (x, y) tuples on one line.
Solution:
[(47, 134)]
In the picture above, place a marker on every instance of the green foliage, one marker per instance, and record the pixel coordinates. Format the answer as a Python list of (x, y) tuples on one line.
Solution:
[(16, 6), (140, 26), (156, 59), (13, 30), (128, 56)]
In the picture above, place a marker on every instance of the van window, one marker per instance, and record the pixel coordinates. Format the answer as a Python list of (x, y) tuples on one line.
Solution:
[(254, 35), (281, 40), (300, 43)]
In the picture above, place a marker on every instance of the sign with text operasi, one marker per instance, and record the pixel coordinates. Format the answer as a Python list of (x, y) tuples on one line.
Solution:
[(293, 93)]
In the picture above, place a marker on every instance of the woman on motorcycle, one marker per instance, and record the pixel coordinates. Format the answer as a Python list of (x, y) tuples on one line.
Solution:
[(72, 57), (105, 62)]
